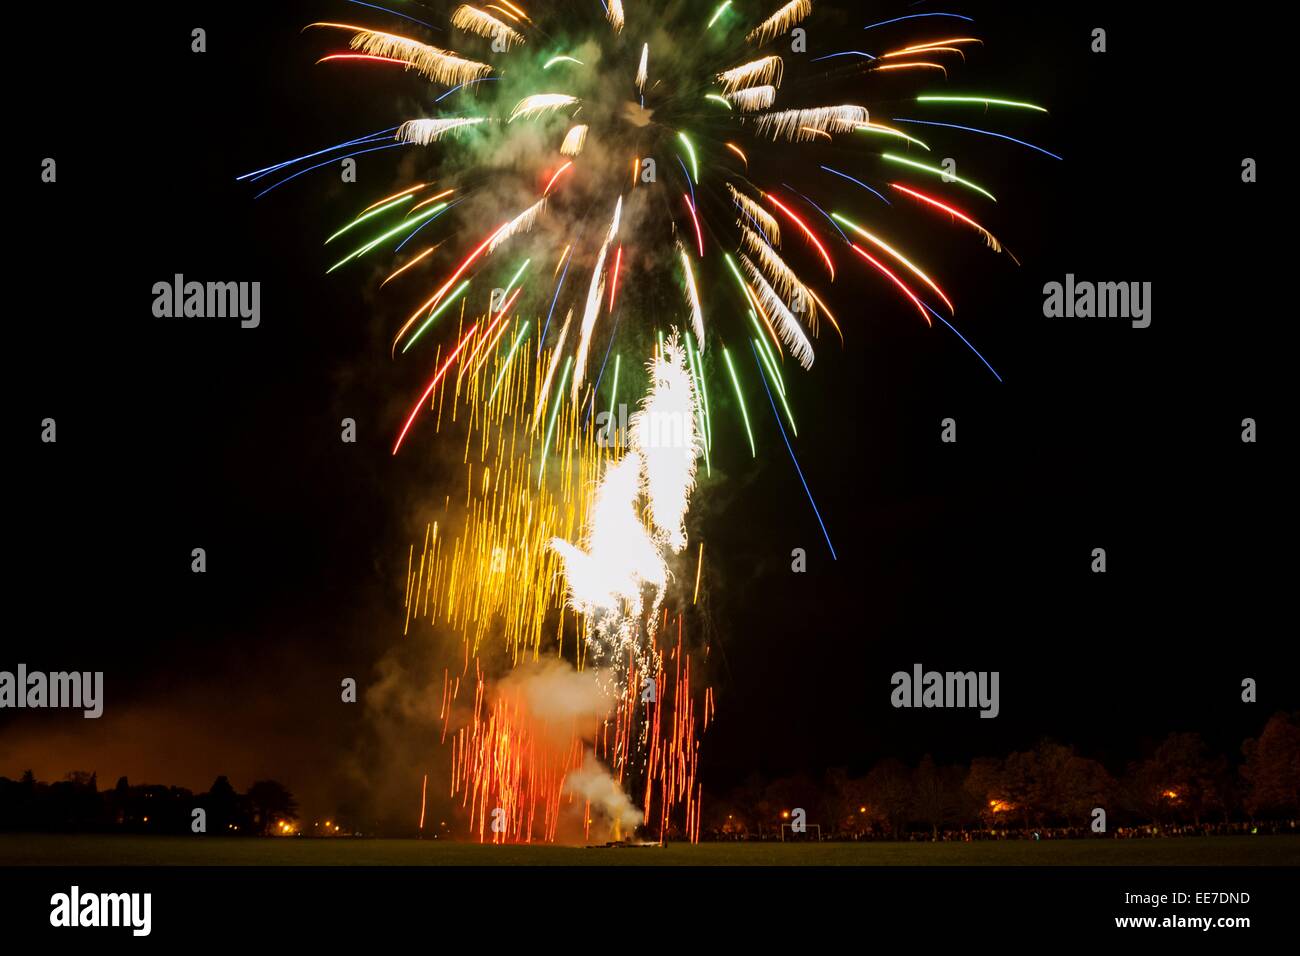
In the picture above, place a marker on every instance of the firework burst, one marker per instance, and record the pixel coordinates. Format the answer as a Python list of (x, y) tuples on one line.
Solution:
[(626, 167)]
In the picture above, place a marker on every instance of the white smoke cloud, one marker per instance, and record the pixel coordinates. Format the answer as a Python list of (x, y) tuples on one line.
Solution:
[(564, 699), (595, 784), (560, 702)]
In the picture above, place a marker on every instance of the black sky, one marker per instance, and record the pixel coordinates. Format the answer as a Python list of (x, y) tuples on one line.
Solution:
[(175, 435)]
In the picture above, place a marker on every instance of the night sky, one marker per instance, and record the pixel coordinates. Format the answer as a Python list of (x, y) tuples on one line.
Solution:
[(177, 434)]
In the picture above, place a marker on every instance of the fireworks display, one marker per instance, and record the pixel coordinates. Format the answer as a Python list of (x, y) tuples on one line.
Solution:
[(598, 213)]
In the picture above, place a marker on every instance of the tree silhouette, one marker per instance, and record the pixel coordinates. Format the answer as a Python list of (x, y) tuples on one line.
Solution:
[(935, 791), (1186, 775), (986, 786), (1020, 774), (269, 802), (1272, 767), (889, 789), (848, 803), (1087, 786), (222, 804)]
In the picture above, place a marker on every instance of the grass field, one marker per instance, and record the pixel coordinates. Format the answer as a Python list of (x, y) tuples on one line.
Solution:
[(59, 850)]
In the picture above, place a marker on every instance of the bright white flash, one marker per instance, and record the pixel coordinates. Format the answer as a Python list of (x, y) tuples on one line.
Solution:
[(620, 557), (643, 71), (623, 554), (663, 433)]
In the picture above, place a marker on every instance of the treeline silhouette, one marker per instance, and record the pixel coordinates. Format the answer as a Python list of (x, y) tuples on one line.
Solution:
[(76, 804), (1051, 790), (1182, 787)]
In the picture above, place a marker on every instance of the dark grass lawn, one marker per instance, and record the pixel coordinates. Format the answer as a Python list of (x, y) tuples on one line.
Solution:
[(60, 850)]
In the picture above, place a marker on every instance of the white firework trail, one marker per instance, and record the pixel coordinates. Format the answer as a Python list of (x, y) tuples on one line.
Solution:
[(783, 278), (765, 220), (788, 328), (574, 140), (474, 20), (643, 71), (692, 296), (595, 296), (550, 371), (803, 125), (615, 14), (754, 98), (780, 22), (441, 66), (523, 222), (426, 131), (541, 103), (765, 71), (590, 312)]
